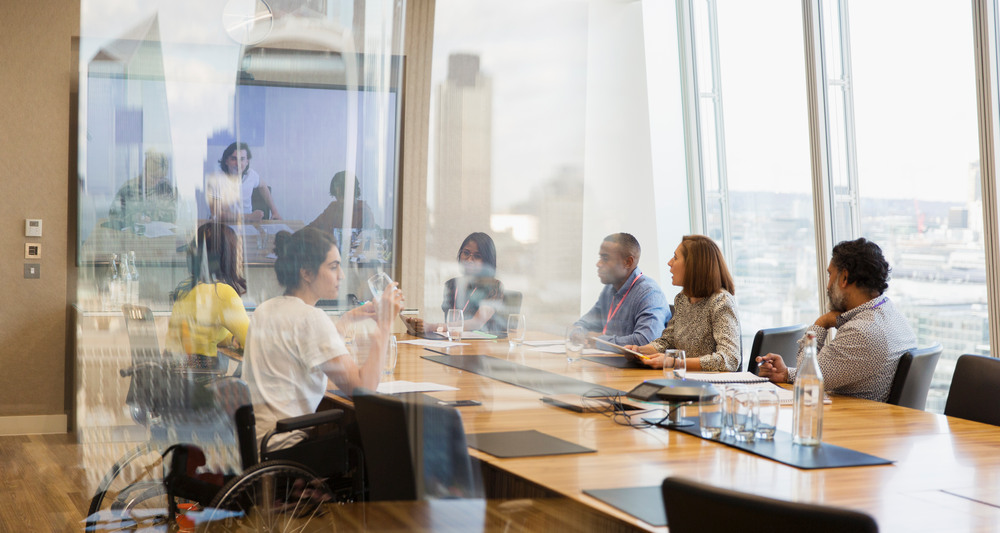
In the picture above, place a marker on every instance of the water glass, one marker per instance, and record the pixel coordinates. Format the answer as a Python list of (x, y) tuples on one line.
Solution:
[(391, 356), (710, 413), (728, 394), (674, 364), (743, 417), (576, 339), (515, 329), (768, 406), (455, 322)]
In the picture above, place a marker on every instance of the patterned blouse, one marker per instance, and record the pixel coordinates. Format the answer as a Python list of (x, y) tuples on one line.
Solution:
[(861, 360), (707, 329)]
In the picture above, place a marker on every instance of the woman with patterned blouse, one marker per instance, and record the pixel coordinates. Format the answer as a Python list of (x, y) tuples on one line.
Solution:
[(704, 324)]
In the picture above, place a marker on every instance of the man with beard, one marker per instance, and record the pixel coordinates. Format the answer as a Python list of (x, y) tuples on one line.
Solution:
[(860, 360)]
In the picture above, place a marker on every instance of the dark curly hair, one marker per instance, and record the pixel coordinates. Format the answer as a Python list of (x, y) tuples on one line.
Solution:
[(865, 265), (230, 150), (304, 249)]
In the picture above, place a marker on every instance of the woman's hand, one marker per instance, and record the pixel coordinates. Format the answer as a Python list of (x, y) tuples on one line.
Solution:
[(389, 305), (656, 361), (646, 349), (363, 312)]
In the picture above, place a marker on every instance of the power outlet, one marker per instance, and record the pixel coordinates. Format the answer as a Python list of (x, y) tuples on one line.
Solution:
[(32, 270)]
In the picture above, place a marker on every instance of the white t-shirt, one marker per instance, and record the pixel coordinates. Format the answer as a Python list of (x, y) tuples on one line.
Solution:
[(287, 344), (250, 181), (232, 193)]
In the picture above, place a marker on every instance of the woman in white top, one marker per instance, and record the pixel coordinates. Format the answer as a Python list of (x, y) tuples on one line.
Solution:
[(293, 346)]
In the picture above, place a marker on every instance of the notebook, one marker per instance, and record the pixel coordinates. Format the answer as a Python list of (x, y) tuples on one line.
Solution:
[(725, 377)]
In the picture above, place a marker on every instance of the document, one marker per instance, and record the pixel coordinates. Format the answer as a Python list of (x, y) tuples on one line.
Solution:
[(399, 387), (427, 343)]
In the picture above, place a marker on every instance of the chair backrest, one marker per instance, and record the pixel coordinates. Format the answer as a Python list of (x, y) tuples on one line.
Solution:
[(783, 341), (413, 450), (142, 338), (973, 389), (512, 302), (913, 377), (695, 507)]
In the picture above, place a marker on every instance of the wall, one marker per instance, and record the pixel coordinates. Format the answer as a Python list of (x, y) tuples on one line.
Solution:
[(35, 176)]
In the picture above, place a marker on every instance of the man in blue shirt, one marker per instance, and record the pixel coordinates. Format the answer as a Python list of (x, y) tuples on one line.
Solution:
[(631, 309)]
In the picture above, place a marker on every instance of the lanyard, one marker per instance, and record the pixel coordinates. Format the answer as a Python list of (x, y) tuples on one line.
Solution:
[(611, 314), (469, 299)]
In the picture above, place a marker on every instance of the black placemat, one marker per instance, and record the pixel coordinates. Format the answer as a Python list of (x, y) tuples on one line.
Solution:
[(529, 443), (616, 361), (520, 375), (782, 450), (644, 503)]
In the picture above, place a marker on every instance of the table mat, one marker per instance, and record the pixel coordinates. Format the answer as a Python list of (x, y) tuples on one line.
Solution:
[(616, 361), (520, 375), (644, 503), (782, 450), (529, 443)]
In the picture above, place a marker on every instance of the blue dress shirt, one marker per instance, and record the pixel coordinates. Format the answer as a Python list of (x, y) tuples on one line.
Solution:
[(642, 315)]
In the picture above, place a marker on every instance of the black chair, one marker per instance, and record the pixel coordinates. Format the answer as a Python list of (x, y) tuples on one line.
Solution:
[(973, 389), (695, 507), (258, 203), (414, 450), (512, 302), (913, 377), (783, 341)]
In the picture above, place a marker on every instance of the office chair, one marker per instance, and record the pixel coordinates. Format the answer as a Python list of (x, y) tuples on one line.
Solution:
[(512, 302), (413, 450), (696, 508), (973, 389), (783, 341), (913, 377)]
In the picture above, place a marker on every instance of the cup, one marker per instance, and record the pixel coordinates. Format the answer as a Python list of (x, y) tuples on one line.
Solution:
[(455, 322), (391, 357), (674, 364), (710, 413), (576, 339), (377, 284), (766, 416), (515, 329), (743, 417), (729, 409)]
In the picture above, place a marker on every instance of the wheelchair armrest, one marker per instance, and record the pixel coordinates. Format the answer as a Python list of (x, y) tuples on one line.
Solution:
[(310, 420)]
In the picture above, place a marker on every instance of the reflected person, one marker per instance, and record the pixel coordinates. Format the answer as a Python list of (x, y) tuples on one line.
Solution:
[(146, 198), (230, 194), (333, 216)]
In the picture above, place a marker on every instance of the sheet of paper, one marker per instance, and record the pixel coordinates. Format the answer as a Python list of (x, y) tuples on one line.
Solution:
[(477, 335), (399, 387), (427, 343), (156, 229), (544, 343), (562, 349)]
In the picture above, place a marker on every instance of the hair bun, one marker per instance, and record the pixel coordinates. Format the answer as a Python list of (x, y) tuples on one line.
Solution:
[(281, 240)]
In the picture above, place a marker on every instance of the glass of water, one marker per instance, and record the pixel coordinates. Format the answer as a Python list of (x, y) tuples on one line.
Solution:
[(515, 329), (768, 406), (743, 417), (674, 364), (391, 357), (455, 322), (576, 339), (710, 413)]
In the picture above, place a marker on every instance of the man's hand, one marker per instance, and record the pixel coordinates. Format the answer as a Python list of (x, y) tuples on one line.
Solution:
[(772, 367)]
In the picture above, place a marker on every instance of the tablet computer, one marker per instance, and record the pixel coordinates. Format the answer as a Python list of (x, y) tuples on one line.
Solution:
[(631, 355)]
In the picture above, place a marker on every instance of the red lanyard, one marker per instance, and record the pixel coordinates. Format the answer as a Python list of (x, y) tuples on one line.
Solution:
[(611, 314), (469, 299)]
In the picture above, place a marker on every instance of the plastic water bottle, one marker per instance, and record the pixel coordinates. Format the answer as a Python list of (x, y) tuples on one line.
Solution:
[(132, 279), (807, 415), (114, 284)]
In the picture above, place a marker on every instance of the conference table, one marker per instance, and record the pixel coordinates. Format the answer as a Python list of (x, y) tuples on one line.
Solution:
[(944, 475)]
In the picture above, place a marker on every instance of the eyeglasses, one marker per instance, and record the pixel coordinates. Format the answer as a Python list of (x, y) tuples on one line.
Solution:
[(466, 255)]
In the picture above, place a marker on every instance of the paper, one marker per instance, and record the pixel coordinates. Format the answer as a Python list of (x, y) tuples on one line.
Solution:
[(156, 229), (399, 387), (433, 344), (562, 349), (725, 377), (544, 343), (477, 335)]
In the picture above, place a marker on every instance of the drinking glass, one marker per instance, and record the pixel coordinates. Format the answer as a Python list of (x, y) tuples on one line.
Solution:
[(576, 339), (455, 322), (377, 284), (768, 406), (515, 329), (729, 409), (710, 412), (391, 356), (743, 416), (674, 364)]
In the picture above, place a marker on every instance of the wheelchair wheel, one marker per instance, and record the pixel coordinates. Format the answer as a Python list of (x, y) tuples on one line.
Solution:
[(272, 496), (131, 493)]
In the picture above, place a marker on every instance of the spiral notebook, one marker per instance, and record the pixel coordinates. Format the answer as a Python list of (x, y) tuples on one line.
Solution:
[(725, 377)]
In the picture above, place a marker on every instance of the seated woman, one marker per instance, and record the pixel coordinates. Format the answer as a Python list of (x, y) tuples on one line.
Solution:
[(477, 293), (294, 347), (704, 324), (208, 312)]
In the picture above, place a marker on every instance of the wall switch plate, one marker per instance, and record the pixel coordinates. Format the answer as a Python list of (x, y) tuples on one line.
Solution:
[(32, 250), (32, 270), (33, 227)]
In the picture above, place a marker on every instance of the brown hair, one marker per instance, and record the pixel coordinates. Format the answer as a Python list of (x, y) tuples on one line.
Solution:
[(705, 270)]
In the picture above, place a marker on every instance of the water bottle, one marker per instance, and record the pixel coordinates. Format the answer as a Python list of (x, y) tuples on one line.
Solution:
[(132, 279), (807, 415), (114, 284)]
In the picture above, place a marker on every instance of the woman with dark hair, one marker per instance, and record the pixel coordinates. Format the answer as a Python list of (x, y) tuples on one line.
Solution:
[(294, 347), (207, 311), (477, 292), (704, 323), (230, 195)]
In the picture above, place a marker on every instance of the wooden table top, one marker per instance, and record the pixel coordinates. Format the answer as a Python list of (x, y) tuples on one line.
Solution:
[(946, 475)]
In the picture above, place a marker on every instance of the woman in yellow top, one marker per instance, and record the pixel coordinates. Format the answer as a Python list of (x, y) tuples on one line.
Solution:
[(208, 311)]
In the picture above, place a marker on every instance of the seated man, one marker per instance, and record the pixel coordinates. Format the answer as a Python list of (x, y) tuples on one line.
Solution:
[(631, 309), (147, 198), (871, 334)]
